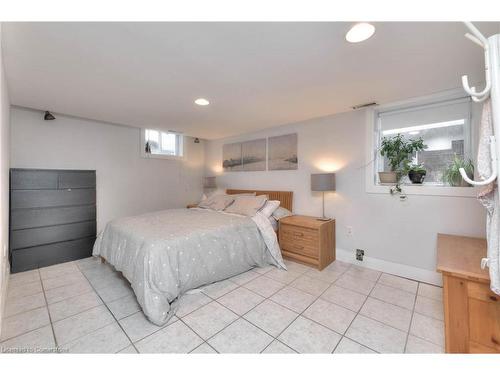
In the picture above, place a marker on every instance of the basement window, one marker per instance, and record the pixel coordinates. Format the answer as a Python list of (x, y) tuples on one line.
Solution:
[(161, 144), (445, 128)]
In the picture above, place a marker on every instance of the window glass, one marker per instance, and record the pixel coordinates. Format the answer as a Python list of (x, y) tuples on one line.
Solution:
[(443, 126), (162, 143)]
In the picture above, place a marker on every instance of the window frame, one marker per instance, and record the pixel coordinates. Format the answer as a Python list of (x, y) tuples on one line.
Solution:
[(372, 146), (180, 144)]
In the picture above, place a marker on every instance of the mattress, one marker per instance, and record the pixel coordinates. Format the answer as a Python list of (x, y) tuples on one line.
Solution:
[(164, 254)]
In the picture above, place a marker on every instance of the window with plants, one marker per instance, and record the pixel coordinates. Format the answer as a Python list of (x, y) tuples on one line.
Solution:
[(424, 145)]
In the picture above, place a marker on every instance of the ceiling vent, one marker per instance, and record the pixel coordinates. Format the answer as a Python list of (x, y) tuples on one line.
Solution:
[(359, 106)]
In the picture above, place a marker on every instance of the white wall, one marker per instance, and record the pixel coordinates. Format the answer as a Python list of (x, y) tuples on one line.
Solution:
[(127, 184), (388, 230), (4, 184)]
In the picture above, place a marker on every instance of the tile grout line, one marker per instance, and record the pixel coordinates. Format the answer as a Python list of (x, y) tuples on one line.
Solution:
[(48, 312), (261, 302), (355, 316), (319, 297), (104, 303), (300, 315), (36, 308), (305, 273), (284, 285), (275, 338), (169, 323), (411, 319)]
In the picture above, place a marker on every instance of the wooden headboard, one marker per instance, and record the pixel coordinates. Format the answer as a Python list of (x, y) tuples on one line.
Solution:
[(285, 197)]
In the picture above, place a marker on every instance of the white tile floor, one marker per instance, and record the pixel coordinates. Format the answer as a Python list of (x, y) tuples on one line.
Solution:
[(86, 306)]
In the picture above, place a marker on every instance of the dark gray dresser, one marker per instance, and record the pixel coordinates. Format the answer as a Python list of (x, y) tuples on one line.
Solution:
[(52, 216)]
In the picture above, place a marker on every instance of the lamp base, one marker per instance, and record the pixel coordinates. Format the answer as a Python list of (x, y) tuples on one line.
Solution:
[(324, 218)]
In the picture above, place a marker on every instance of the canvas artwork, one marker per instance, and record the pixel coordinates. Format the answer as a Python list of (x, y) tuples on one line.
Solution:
[(254, 155), (283, 152), (231, 157)]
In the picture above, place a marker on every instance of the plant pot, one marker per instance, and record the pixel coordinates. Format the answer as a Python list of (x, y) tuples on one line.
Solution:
[(461, 183), (464, 183), (417, 177), (387, 177)]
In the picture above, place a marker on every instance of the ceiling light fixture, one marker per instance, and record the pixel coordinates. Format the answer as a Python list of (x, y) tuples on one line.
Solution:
[(202, 101), (359, 32)]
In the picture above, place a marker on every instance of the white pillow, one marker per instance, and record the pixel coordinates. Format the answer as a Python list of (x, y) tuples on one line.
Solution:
[(217, 202), (270, 207), (247, 205), (274, 223), (281, 212)]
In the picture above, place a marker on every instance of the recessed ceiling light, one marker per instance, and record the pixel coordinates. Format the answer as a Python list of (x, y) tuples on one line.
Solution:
[(202, 101), (359, 32)]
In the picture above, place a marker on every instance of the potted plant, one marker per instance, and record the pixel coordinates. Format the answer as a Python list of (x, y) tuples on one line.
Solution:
[(398, 151), (452, 173), (416, 173)]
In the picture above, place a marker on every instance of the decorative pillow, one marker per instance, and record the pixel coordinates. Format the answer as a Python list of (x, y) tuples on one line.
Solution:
[(281, 212), (247, 205), (270, 207), (217, 202)]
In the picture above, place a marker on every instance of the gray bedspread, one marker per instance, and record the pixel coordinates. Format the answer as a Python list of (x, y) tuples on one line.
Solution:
[(164, 254)]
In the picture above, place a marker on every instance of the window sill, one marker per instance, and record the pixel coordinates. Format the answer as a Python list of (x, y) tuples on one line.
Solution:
[(432, 190), (160, 156)]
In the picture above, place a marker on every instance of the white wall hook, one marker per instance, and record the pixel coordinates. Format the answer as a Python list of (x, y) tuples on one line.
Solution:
[(489, 180), (481, 41)]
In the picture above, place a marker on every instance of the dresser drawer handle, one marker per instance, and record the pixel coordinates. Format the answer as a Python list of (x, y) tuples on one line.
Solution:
[(298, 234), (297, 247), (493, 298)]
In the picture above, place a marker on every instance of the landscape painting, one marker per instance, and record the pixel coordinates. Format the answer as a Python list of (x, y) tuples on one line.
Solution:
[(254, 155), (283, 152), (231, 157)]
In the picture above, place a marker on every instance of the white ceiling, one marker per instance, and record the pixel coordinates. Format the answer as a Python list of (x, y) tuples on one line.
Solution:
[(256, 75)]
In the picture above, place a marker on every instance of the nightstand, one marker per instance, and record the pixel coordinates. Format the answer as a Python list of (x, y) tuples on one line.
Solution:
[(192, 205), (308, 240)]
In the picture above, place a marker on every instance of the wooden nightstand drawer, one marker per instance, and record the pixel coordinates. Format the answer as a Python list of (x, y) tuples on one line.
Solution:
[(299, 234), (299, 247)]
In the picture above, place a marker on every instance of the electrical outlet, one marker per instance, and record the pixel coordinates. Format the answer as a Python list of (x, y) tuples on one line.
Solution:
[(349, 231), (360, 254)]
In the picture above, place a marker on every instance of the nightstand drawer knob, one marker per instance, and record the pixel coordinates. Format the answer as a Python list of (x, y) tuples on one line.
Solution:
[(297, 247), (298, 234)]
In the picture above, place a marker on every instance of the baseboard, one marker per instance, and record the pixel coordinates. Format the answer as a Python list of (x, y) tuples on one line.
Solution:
[(4, 281), (398, 269)]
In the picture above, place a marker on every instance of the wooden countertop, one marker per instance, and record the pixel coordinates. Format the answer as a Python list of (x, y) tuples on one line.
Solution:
[(461, 257)]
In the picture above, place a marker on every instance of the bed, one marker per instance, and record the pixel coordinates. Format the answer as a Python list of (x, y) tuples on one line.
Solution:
[(164, 254)]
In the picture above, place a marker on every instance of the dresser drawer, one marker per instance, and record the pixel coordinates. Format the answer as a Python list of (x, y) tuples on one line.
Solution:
[(484, 316), (482, 292), (299, 247), (484, 323), (299, 234)]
